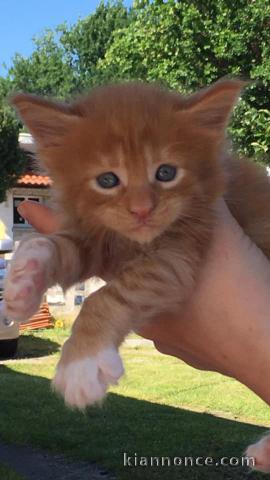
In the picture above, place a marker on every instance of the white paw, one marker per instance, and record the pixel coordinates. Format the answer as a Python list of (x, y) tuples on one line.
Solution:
[(260, 451), (84, 382), (27, 279)]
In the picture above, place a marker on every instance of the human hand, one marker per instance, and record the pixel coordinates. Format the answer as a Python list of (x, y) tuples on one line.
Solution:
[(225, 323), (42, 218)]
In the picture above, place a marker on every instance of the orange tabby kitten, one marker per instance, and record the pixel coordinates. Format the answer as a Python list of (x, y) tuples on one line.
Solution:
[(136, 170)]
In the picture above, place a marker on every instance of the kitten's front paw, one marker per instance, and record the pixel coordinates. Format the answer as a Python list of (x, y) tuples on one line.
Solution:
[(260, 451), (26, 281), (84, 382)]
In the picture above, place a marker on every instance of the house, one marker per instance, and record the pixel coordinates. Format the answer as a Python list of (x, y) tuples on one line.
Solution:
[(35, 185)]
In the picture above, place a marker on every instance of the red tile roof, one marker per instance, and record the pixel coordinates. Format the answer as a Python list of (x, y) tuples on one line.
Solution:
[(35, 180)]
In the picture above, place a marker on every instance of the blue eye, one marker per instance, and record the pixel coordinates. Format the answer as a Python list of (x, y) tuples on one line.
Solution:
[(166, 173), (108, 180)]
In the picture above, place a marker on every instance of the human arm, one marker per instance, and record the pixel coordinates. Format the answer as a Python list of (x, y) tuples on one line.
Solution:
[(225, 326)]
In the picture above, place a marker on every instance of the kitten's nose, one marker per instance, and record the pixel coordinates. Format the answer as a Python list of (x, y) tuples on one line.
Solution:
[(141, 202), (141, 211)]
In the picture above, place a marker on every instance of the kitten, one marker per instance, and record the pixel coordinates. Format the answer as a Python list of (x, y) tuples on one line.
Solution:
[(136, 170)]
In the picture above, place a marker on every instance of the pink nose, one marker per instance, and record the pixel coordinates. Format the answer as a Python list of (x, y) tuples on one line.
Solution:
[(141, 212)]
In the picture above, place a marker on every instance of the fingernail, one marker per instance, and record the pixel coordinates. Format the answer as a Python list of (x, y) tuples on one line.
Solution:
[(22, 209)]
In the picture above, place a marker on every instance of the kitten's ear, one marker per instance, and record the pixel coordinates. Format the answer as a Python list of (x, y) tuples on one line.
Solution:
[(46, 120), (211, 107)]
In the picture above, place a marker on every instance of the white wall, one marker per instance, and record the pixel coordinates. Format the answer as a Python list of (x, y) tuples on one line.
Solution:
[(6, 215), (15, 233)]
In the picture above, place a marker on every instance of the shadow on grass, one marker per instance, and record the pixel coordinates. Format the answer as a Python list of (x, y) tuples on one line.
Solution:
[(31, 414), (32, 346)]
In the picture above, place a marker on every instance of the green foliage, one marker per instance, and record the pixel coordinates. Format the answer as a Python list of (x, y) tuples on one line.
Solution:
[(65, 60), (12, 159), (190, 44), (87, 41), (251, 132), (185, 44), (46, 71)]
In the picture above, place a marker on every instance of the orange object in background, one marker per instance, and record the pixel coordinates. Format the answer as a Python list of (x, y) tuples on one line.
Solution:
[(42, 319)]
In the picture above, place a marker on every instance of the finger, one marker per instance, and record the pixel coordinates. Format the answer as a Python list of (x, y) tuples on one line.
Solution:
[(42, 218)]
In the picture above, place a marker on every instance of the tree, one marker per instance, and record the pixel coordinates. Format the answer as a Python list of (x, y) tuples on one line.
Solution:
[(185, 44), (46, 71), (87, 41), (12, 159), (191, 43), (64, 61)]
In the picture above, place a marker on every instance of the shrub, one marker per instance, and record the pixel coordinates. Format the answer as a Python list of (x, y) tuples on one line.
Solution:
[(12, 159)]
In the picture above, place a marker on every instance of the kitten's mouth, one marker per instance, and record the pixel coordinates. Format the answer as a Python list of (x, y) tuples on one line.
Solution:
[(142, 226), (144, 231)]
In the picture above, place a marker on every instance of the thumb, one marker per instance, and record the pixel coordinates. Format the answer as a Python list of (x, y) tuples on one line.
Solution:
[(42, 218)]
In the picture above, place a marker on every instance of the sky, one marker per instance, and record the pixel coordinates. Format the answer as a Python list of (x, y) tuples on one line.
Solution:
[(21, 20)]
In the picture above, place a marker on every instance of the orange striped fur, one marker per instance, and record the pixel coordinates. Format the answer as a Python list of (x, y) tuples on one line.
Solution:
[(131, 130)]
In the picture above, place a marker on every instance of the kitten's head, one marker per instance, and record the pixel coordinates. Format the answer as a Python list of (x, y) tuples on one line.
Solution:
[(132, 158)]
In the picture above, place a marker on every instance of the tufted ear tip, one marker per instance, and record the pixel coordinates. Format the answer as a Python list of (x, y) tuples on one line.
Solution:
[(23, 100), (48, 121), (16, 98), (211, 107)]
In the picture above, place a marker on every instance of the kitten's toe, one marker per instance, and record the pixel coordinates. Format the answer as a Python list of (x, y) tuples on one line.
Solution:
[(85, 382), (26, 280), (260, 451)]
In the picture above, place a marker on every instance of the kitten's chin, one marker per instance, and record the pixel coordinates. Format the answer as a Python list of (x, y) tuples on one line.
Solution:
[(143, 234)]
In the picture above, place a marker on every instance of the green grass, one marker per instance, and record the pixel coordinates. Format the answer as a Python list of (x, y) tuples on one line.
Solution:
[(161, 408), (8, 474)]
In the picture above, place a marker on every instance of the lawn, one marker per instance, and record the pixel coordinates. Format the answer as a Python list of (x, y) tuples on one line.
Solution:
[(161, 408)]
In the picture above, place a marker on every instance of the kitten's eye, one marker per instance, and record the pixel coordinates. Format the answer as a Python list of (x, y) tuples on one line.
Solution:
[(108, 180), (166, 173)]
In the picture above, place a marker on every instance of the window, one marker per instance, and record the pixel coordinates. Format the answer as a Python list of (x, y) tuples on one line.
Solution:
[(17, 219), (80, 287), (78, 299)]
